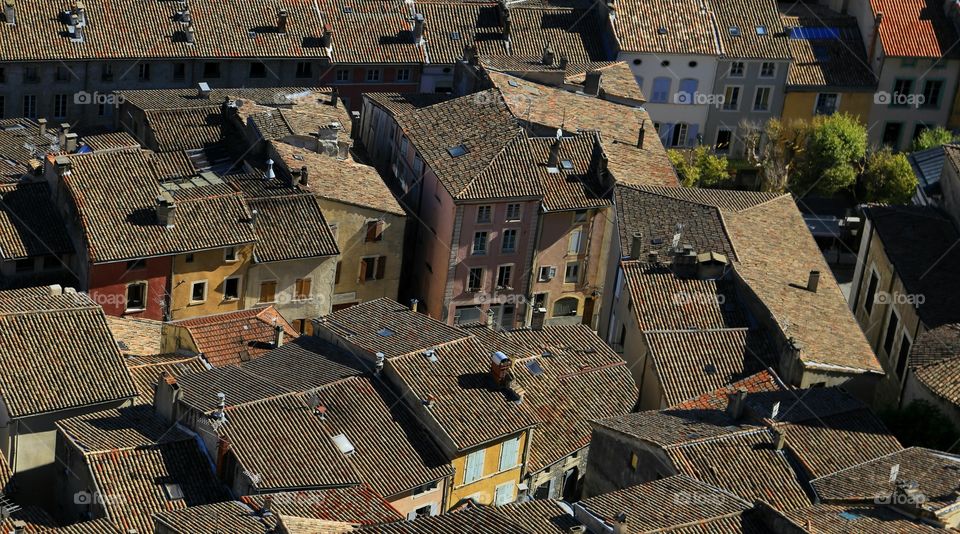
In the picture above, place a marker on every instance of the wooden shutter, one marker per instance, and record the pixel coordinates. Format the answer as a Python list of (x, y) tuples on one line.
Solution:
[(303, 288), (474, 468), (268, 291), (508, 453), (381, 266)]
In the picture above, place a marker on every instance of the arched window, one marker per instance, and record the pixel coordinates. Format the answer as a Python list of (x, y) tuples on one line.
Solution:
[(565, 306)]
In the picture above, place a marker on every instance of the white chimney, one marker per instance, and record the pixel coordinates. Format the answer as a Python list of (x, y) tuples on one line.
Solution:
[(71, 142), (42, 123), (191, 34), (269, 175), (278, 335), (380, 359)]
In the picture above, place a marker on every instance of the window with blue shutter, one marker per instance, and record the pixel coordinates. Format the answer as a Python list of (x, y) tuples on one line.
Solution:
[(474, 468), (508, 454), (692, 132), (688, 91), (661, 89)]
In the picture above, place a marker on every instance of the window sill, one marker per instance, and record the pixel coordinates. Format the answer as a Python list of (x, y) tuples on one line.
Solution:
[(134, 310)]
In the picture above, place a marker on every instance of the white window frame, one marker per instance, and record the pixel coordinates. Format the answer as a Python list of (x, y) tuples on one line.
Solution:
[(501, 266), (816, 100), (772, 74), (226, 254), (479, 288), (373, 79), (239, 279), (743, 69), (519, 214), (756, 92), (486, 244), (406, 77), (489, 218), (503, 240), (566, 269), (126, 293), (206, 288), (579, 233), (739, 89)]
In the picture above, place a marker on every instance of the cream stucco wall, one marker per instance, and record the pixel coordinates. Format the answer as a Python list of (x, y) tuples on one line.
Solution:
[(209, 265), (320, 272)]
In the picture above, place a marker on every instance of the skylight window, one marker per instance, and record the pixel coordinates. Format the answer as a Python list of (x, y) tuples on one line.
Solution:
[(347, 9), (735, 31), (173, 491), (566, 165), (384, 332), (534, 367), (455, 36), (761, 30), (661, 30), (457, 151), (343, 443)]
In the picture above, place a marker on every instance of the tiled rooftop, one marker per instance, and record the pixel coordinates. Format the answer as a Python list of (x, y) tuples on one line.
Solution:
[(750, 29), (344, 181), (915, 28), (828, 50), (120, 428), (58, 353), (147, 375), (694, 362), (30, 224), (666, 27), (233, 337), (125, 226), (357, 505), (228, 516), (158, 478)]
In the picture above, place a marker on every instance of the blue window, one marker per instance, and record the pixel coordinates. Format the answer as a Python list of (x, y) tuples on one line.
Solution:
[(688, 91), (661, 89)]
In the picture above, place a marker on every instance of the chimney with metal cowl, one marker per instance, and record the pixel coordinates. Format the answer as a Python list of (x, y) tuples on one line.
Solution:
[(813, 281), (414, 305), (591, 84), (553, 160), (269, 174), (304, 175), (378, 366), (417, 28), (9, 11), (282, 20), (166, 209)]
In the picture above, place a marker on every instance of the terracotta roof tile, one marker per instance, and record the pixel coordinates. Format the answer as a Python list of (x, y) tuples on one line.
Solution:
[(146, 376), (935, 345), (121, 428), (136, 337), (117, 210), (228, 516), (660, 506), (687, 27), (291, 227), (750, 41), (139, 482), (184, 129), (233, 337), (58, 353), (942, 379), (539, 516), (834, 56), (915, 28), (110, 141), (283, 444), (857, 518), (221, 30), (719, 399), (336, 180), (30, 224), (484, 519), (359, 505), (690, 363)]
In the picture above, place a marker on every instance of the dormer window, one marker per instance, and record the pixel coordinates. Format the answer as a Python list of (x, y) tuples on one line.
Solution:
[(734, 31)]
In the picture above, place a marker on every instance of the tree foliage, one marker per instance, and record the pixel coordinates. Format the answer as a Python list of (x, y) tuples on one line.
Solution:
[(933, 137), (831, 155), (888, 178), (698, 167)]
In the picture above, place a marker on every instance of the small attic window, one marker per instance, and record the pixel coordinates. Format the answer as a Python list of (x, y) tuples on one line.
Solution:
[(566, 165), (173, 491), (455, 36), (761, 30), (661, 31), (735, 31), (457, 151), (343, 443)]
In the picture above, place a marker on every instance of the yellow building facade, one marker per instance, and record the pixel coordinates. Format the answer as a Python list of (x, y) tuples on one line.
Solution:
[(209, 281), (501, 473), (802, 105)]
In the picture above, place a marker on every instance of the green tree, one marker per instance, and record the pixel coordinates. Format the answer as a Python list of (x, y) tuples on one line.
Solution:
[(888, 178), (698, 167), (831, 158), (921, 424), (933, 137)]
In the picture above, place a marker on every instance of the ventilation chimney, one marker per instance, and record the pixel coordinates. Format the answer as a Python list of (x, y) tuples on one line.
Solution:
[(203, 90), (554, 159), (71, 142), (636, 246), (81, 12), (19, 527), (221, 412), (9, 12), (620, 526), (278, 335), (166, 209), (563, 63), (343, 149), (253, 217), (539, 316), (282, 20), (55, 290), (265, 510), (418, 24), (548, 55), (779, 439), (414, 305), (491, 319), (304, 175), (381, 357), (653, 257), (64, 130), (591, 85), (500, 368), (735, 403), (326, 39), (190, 34), (269, 174), (641, 134), (813, 281), (42, 123)]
